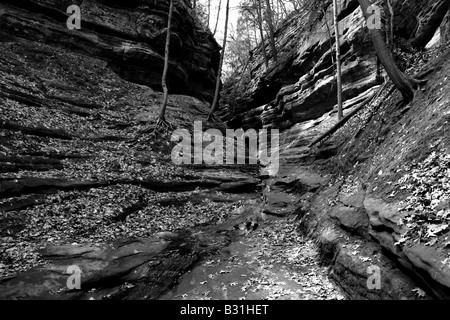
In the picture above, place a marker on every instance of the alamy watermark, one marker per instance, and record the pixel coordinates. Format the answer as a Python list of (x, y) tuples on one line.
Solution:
[(374, 280), (74, 280), (373, 20), (213, 153), (74, 21), (236, 148)]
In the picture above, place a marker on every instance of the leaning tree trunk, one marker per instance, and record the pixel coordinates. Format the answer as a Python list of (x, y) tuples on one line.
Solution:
[(219, 72), (166, 66), (271, 31), (208, 12), (390, 24), (400, 80), (338, 61), (261, 31), (217, 18)]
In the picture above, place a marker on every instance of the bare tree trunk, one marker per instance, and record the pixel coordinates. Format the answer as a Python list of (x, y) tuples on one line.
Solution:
[(283, 8), (166, 66), (340, 123), (275, 13), (330, 36), (261, 31), (400, 80), (219, 72), (271, 31), (249, 38), (217, 19), (390, 28), (209, 12), (338, 60), (255, 33)]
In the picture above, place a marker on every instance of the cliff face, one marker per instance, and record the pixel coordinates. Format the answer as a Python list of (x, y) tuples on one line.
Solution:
[(300, 86), (129, 36), (379, 187), (70, 122)]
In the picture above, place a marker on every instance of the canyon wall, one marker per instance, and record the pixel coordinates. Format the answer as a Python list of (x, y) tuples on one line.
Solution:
[(129, 35), (300, 86)]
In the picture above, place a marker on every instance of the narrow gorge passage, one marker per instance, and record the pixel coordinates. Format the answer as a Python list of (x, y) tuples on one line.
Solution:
[(94, 197), (110, 191)]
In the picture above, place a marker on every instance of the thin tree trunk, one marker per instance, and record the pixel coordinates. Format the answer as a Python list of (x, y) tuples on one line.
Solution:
[(338, 60), (249, 38), (390, 27), (261, 31), (255, 33), (209, 11), (275, 13), (166, 65), (344, 120), (283, 8), (271, 31), (329, 40), (217, 19), (219, 72), (401, 82)]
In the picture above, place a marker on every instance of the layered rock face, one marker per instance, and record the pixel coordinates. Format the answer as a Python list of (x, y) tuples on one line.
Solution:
[(300, 86), (358, 216), (68, 121), (129, 36)]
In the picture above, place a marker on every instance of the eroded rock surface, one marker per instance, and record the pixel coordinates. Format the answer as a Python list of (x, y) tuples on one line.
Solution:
[(129, 37)]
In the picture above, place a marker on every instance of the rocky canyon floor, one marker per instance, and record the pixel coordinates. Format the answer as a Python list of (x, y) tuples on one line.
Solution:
[(84, 187), (81, 186)]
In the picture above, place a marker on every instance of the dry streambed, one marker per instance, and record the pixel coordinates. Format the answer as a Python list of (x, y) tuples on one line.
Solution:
[(273, 263)]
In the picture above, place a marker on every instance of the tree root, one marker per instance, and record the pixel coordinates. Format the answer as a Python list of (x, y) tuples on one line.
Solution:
[(213, 118), (162, 125), (422, 74), (417, 83), (341, 122), (420, 79)]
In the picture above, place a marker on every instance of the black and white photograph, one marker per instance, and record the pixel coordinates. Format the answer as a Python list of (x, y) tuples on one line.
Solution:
[(213, 157)]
